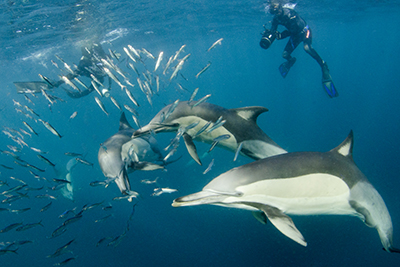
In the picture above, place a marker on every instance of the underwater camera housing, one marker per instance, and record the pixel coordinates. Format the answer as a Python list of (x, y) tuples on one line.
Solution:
[(267, 39)]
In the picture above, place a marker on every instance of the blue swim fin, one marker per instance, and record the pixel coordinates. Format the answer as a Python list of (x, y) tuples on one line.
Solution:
[(285, 67), (330, 88), (327, 82)]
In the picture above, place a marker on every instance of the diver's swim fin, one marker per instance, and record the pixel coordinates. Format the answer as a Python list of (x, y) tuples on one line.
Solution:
[(330, 88), (285, 66), (327, 82), (31, 87)]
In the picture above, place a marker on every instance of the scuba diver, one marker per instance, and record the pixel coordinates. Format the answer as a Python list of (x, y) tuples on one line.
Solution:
[(90, 65), (298, 31)]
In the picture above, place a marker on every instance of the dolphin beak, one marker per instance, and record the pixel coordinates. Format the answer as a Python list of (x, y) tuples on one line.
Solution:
[(156, 127), (122, 182), (200, 198)]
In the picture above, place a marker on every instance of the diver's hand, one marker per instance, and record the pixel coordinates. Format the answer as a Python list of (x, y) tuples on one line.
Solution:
[(278, 35)]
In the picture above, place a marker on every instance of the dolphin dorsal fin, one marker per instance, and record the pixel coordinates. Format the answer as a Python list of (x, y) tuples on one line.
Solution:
[(249, 113), (346, 147), (123, 123)]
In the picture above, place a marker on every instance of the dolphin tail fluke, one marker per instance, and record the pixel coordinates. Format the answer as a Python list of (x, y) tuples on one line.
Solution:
[(281, 221), (191, 148), (392, 249)]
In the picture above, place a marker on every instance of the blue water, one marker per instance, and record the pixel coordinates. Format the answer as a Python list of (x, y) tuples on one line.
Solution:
[(358, 39)]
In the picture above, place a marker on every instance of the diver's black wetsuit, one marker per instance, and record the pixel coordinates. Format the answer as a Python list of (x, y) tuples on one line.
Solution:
[(298, 31)]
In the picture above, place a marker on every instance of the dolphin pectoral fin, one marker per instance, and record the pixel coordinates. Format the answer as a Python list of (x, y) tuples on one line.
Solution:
[(282, 222), (191, 147), (363, 213), (260, 216)]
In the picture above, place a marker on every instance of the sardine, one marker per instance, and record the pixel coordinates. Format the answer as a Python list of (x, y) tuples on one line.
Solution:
[(29, 226), (100, 105), (178, 52), (29, 128), (115, 102), (112, 76), (218, 42), (45, 160), (160, 57), (202, 100), (73, 115), (148, 54), (50, 128), (203, 70), (67, 81), (209, 166), (84, 161), (193, 94)]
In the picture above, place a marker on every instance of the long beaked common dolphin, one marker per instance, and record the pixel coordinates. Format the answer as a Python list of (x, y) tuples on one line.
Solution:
[(241, 126), (300, 183), (114, 158)]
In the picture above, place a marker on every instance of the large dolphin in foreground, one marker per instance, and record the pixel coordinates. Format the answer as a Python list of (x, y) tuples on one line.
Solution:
[(240, 124), (115, 155), (300, 183)]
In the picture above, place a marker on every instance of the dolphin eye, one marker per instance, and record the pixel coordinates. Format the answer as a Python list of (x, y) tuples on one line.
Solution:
[(239, 194)]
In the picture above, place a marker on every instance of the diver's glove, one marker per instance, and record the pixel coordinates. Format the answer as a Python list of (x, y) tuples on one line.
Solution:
[(282, 35)]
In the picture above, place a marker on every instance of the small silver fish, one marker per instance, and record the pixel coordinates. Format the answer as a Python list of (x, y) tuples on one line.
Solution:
[(84, 161), (202, 100), (112, 76), (100, 105), (115, 103), (129, 54), (160, 57), (45, 160), (131, 97), (238, 151), (193, 94), (73, 115), (209, 166), (203, 70), (168, 64), (50, 128), (178, 52), (67, 81), (148, 54), (218, 42)]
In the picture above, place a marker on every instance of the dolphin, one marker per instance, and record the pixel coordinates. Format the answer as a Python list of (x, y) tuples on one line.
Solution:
[(114, 160), (300, 183), (240, 124)]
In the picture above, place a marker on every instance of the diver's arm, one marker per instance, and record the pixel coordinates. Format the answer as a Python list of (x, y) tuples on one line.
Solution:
[(274, 25), (282, 35)]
